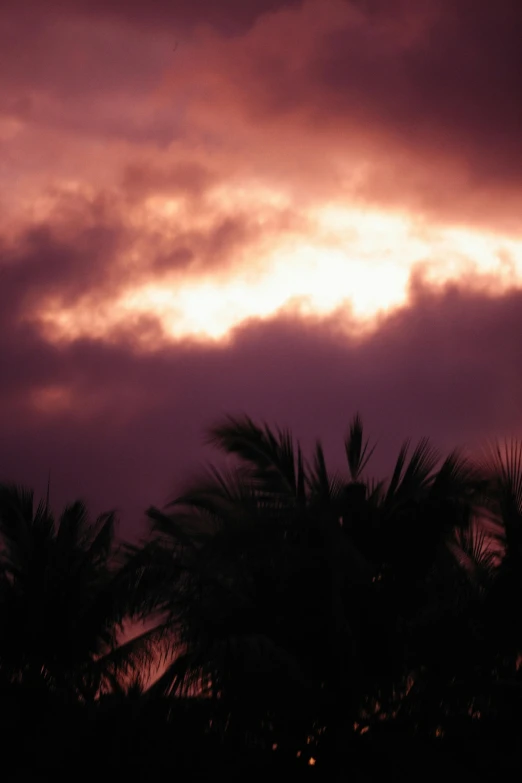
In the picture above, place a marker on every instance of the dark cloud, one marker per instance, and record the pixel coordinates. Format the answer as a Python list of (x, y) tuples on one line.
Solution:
[(140, 180), (62, 259), (211, 249), (42, 49), (452, 88), (80, 251), (420, 97), (405, 85), (230, 16), (125, 427)]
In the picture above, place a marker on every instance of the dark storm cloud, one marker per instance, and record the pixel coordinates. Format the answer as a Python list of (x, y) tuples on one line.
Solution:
[(419, 98), (211, 249), (456, 88), (125, 428), (442, 78), (229, 16), (425, 95), (64, 258), (186, 178), (80, 250)]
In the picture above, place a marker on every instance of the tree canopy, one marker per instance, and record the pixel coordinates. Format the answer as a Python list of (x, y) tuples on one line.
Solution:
[(291, 613)]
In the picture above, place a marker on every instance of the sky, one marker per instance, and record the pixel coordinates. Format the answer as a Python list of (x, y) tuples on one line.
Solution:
[(293, 210)]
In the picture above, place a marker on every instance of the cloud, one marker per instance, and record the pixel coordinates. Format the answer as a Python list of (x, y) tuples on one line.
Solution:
[(208, 162), (62, 259), (414, 108), (230, 17), (124, 427), (140, 180), (408, 106), (96, 263), (446, 85)]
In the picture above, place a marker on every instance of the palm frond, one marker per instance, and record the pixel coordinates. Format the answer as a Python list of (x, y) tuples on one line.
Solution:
[(183, 677), (138, 655), (421, 465), (217, 493), (502, 463), (475, 553), (501, 466), (375, 491), (409, 478), (457, 477), (170, 527), (301, 478), (397, 470), (72, 525), (270, 455), (16, 505), (16, 519), (101, 538), (317, 475), (358, 451), (42, 526)]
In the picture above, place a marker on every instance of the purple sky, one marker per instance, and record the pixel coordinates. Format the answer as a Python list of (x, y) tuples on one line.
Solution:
[(294, 210)]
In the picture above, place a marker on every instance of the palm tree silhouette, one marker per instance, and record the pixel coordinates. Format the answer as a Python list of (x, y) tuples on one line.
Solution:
[(312, 609), (290, 585), (66, 592)]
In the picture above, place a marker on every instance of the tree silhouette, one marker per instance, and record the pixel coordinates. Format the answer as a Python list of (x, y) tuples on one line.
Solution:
[(66, 590), (292, 612), (297, 586)]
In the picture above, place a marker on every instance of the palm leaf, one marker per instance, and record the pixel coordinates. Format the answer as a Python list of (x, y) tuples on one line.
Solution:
[(318, 478), (137, 655), (410, 478), (474, 552), (420, 467), (72, 525), (397, 471), (502, 462), (457, 477), (172, 529), (501, 465), (101, 538), (270, 455), (358, 452), (16, 519)]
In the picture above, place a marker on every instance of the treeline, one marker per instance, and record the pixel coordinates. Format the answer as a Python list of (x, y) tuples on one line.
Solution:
[(276, 616)]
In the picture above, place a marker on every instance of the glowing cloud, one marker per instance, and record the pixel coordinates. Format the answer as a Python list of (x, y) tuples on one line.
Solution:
[(346, 257)]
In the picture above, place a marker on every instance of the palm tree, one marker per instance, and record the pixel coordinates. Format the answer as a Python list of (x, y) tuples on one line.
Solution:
[(66, 593), (501, 467), (295, 592), (243, 588)]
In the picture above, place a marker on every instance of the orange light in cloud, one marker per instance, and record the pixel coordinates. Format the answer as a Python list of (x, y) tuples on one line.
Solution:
[(312, 280), (343, 256), (52, 398)]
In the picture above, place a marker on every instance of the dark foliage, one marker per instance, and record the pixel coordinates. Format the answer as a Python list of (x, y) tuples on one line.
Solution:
[(298, 621)]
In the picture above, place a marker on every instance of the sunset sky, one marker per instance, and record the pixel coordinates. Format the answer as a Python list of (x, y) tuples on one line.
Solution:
[(291, 209)]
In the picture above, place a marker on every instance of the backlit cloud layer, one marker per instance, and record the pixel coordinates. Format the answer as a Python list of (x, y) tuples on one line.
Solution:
[(290, 208)]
